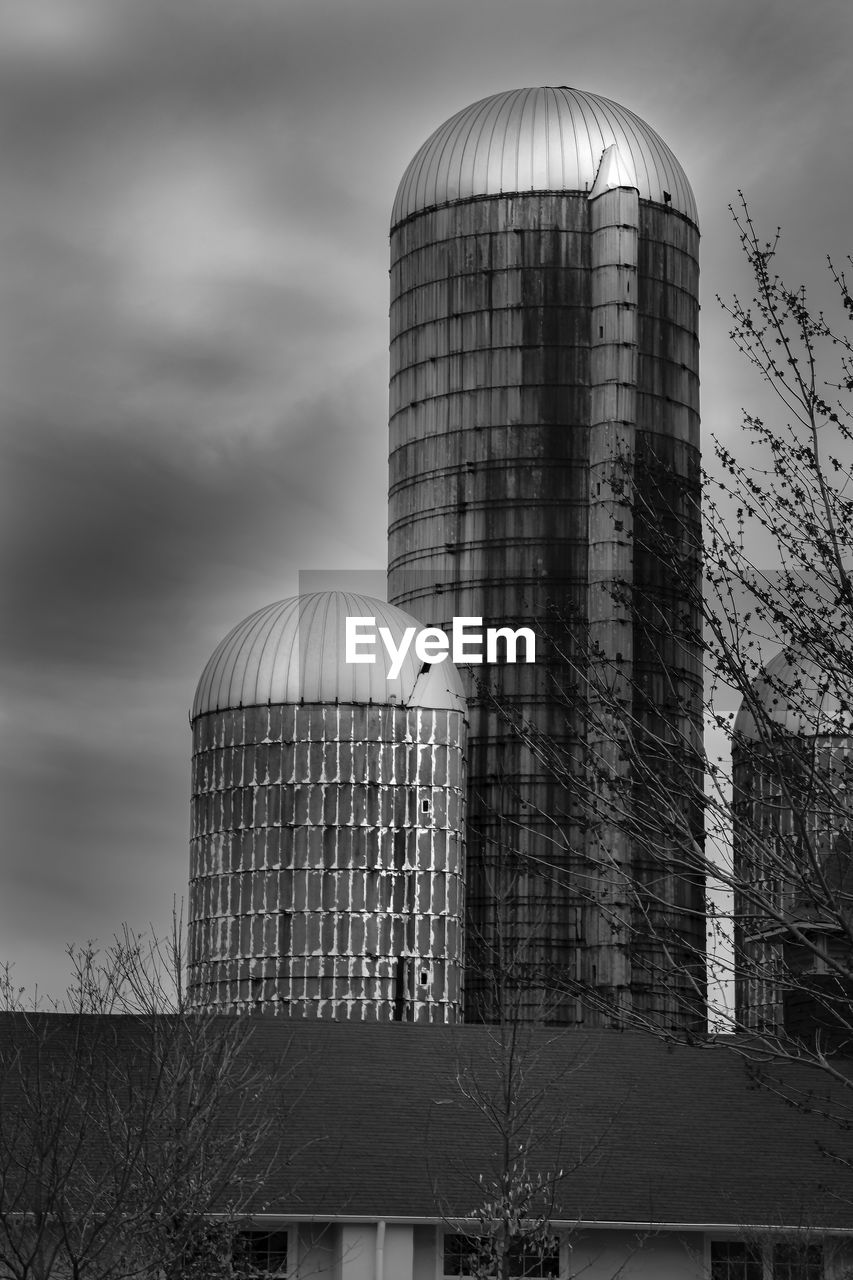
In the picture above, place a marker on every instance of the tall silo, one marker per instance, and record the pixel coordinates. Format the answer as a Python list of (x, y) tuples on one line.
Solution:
[(327, 839), (544, 433), (792, 763)]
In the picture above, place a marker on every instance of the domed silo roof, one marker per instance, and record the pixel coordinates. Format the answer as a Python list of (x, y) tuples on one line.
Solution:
[(545, 139), (795, 693), (295, 651)]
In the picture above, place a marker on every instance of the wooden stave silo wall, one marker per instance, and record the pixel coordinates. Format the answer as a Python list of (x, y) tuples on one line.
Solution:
[(313, 869), (490, 363)]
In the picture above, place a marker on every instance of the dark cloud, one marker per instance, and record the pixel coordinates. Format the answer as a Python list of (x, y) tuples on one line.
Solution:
[(112, 529)]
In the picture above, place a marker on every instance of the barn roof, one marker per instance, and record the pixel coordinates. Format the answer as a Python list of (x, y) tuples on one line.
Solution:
[(389, 1120)]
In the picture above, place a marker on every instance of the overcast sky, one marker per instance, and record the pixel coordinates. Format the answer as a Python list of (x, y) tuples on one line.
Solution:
[(194, 214)]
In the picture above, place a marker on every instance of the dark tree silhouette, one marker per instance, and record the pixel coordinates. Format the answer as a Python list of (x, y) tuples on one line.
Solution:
[(135, 1133)]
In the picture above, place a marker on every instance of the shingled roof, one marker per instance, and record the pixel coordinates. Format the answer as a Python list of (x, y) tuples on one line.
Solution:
[(376, 1124)]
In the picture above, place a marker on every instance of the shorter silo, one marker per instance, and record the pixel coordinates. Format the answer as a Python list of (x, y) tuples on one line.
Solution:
[(792, 758), (327, 840)]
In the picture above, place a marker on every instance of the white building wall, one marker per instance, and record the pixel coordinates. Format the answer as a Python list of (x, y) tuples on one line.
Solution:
[(317, 1250), (426, 1255), (415, 1252), (398, 1254), (357, 1259)]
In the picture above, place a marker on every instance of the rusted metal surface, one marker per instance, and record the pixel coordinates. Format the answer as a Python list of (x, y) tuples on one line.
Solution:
[(494, 367)]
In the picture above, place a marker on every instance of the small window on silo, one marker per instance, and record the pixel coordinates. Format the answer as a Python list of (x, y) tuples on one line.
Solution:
[(426, 805), (423, 977)]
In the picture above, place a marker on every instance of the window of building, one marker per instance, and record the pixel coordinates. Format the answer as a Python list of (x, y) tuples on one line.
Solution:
[(784, 1260), (463, 1253), (735, 1260), (797, 1261), (264, 1251)]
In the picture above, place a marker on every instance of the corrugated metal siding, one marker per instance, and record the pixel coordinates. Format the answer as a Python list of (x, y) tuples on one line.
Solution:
[(542, 139), (294, 650)]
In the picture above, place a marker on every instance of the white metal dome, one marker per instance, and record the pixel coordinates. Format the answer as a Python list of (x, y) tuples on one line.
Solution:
[(294, 651), (546, 139), (794, 693)]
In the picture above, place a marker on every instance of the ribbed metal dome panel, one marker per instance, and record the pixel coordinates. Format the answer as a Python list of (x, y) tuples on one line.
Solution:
[(546, 139), (794, 693), (294, 650)]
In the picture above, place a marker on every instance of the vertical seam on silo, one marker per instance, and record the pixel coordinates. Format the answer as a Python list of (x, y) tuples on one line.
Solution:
[(273, 617), (492, 133), (521, 102), (573, 123), (540, 103), (558, 104), (442, 140), (476, 122), (315, 603), (226, 650)]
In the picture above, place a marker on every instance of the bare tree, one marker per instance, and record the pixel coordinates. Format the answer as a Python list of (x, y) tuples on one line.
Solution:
[(508, 1073), (509, 1231), (135, 1133), (776, 792)]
